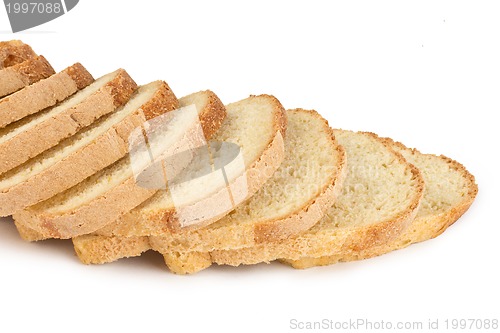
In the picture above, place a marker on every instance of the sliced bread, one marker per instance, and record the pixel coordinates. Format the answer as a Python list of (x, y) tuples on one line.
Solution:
[(32, 135), (20, 75), (43, 94), (291, 201), (449, 191), (103, 197), (257, 125), (80, 156), (380, 198), (14, 52)]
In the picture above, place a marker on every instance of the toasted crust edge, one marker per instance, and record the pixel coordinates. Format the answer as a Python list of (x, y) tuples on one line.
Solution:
[(427, 227), (25, 73), (50, 132), (82, 220), (357, 238), (14, 52), (100, 153), (43, 94)]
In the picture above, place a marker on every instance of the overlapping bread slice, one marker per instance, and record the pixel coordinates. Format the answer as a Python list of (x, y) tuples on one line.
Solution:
[(380, 197), (23, 74), (103, 197), (43, 94), (449, 191), (80, 156), (14, 52), (257, 125), (32, 135), (291, 202)]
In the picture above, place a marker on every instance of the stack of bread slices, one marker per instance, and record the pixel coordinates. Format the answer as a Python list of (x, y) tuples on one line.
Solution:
[(122, 169)]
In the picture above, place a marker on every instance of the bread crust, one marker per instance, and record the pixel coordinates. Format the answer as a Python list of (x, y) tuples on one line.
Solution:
[(14, 52), (422, 228), (111, 248), (100, 211), (23, 74), (139, 223), (106, 149), (50, 132), (43, 94), (351, 239)]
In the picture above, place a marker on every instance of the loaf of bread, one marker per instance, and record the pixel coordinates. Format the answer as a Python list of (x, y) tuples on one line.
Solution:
[(123, 169)]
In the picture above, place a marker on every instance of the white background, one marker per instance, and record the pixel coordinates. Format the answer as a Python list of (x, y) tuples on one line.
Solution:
[(426, 73)]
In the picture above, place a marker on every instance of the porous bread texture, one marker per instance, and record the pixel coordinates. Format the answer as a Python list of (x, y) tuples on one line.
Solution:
[(291, 201), (101, 198), (80, 156), (20, 75), (449, 192), (43, 94), (380, 197), (313, 181), (13, 52), (257, 124), (32, 135), (111, 248)]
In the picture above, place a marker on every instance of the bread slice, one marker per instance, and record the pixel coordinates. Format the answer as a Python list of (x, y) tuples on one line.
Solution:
[(80, 156), (18, 76), (292, 200), (14, 52), (257, 125), (43, 94), (30, 136), (103, 197), (380, 198), (449, 191)]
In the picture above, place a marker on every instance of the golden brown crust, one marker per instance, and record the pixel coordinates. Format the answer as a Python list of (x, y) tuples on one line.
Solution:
[(21, 75), (340, 240), (34, 70), (86, 218), (422, 228), (14, 52), (108, 248), (79, 75), (43, 94), (100, 153), (50, 132), (122, 88), (137, 223), (91, 216), (212, 117), (312, 211), (163, 101)]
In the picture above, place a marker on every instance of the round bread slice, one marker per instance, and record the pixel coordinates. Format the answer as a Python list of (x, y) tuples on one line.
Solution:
[(20, 75), (80, 156), (292, 201), (32, 135), (380, 198), (43, 94), (257, 125), (449, 191), (113, 191), (13, 52)]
